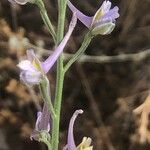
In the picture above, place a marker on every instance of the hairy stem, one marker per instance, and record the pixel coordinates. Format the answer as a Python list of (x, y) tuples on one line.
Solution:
[(60, 75)]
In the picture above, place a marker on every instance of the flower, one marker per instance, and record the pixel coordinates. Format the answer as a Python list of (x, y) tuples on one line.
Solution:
[(86, 142), (20, 2), (42, 123), (32, 70), (103, 22)]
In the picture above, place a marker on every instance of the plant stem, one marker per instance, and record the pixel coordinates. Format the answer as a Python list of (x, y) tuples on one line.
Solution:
[(45, 18), (48, 145), (78, 54), (60, 76)]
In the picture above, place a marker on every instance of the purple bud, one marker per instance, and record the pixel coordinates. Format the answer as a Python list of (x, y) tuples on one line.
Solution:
[(42, 123)]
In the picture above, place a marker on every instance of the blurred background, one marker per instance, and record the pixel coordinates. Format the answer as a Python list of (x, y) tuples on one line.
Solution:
[(111, 83)]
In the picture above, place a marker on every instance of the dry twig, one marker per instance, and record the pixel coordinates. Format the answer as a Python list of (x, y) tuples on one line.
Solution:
[(144, 111), (100, 59)]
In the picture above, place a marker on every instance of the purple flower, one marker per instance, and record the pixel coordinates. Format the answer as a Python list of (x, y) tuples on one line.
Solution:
[(32, 70), (42, 123), (20, 2), (86, 142), (103, 22)]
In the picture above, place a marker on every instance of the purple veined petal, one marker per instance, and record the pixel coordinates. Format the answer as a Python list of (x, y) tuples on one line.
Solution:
[(106, 6), (113, 14), (108, 14), (86, 20), (49, 62), (70, 142)]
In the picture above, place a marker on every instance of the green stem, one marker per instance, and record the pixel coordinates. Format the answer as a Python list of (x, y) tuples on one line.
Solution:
[(57, 105), (81, 50), (61, 19), (45, 18), (60, 76), (45, 92), (48, 145)]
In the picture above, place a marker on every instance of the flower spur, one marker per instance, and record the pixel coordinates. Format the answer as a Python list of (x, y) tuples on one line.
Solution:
[(86, 142), (32, 70)]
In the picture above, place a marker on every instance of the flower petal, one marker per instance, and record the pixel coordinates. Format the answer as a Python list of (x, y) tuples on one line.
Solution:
[(106, 6), (49, 62), (112, 14), (86, 20), (71, 144), (85, 144), (105, 14), (26, 65), (30, 77)]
